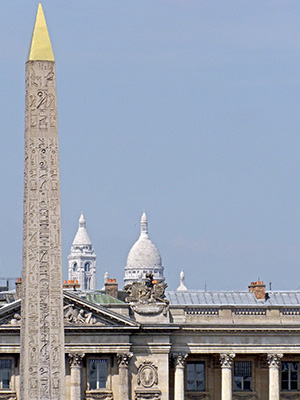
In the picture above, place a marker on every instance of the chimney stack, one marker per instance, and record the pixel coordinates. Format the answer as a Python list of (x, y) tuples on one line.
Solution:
[(259, 290), (18, 288), (111, 287)]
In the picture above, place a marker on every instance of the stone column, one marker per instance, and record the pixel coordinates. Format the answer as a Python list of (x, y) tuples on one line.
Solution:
[(75, 360), (274, 372), (179, 376), (226, 366), (123, 362)]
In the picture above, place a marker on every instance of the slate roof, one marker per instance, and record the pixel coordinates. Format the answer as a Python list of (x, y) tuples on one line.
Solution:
[(234, 298)]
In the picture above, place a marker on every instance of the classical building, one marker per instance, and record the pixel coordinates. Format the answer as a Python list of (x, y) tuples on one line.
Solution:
[(141, 343)]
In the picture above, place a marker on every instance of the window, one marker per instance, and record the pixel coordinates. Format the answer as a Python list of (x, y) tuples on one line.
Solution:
[(75, 267), (97, 374), (87, 267), (5, 373), (289, 375), (195, 376), (242, 376)]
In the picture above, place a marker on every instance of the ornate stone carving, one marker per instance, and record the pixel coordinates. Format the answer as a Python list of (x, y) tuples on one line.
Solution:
[(226, 360), (14, 319), (42, 367), (274, 360), (198, 396), (179, 359), (123, 359), (147, 297), (99, 395), (75, 359), (74, 315), (147, 374), (8, 395), (150, 394)]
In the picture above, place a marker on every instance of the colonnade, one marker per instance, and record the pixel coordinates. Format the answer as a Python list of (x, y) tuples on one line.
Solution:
[(75, 360), (226, 361)]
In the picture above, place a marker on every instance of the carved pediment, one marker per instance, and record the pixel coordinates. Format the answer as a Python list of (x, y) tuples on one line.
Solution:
[(80, 312), (77, 312), (10, 315)]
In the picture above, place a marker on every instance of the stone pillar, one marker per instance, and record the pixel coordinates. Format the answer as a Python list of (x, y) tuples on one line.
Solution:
[(42, 355), (123, 362), (75, 360), (179, 376), (226, 365), (274, 372)]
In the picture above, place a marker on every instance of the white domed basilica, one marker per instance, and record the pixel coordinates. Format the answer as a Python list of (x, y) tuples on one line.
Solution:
[(143, 258)]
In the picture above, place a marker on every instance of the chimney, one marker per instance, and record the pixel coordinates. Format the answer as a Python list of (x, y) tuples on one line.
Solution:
[(111, 288), (259, 290), (18, 288)]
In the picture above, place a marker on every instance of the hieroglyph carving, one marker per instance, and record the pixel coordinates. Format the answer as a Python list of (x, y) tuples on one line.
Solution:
[(42, 335), (147, 374)]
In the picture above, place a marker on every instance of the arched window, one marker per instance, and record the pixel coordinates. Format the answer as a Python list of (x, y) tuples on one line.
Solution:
[(75, 267), (87, 267)]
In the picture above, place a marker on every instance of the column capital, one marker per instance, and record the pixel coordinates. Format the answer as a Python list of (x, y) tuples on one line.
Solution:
[(274, 360), (123, 359), (179, 359), (226, 360), (75, 359)]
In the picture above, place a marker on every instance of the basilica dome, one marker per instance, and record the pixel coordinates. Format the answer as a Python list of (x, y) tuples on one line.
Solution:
[(143, 258)]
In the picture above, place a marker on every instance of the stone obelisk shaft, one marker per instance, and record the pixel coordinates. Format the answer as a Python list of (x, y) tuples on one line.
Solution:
[(42, 331)]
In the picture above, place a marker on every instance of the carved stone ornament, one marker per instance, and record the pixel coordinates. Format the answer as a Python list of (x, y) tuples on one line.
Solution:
[(249, 396), (147, 374), (77, 316), (289, 396), (198, 396), (75, 359), (179, 359), (274, 360), (98, 395), (14, 319), (150, 394), (147, 297), (123, 359), (8, 395), (226, 360)]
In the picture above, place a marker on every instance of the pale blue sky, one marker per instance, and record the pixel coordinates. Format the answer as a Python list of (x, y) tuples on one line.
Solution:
[(187, 109)]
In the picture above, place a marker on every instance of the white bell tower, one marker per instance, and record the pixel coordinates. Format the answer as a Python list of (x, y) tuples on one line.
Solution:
[(82, 259)]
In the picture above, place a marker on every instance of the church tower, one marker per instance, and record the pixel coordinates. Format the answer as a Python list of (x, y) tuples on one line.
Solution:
[(42, 368), (82, 259)]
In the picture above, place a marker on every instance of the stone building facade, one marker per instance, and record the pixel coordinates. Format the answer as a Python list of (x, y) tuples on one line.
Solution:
[(141, 343), (189, 345)]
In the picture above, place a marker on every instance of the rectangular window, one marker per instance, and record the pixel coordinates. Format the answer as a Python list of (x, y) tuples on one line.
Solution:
[(5, 373), (289, 375), (195, 372), (242, 376), (97, 373)]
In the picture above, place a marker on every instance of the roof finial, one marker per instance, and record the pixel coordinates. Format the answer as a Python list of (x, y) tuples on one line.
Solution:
[(40, 47), (144, 224), (82, 223), (182, 285)]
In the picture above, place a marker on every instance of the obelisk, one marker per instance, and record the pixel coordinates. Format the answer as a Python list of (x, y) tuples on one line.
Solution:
[(42, 331)]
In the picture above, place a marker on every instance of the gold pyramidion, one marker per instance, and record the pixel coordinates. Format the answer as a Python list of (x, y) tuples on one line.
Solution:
[(40, 47)]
